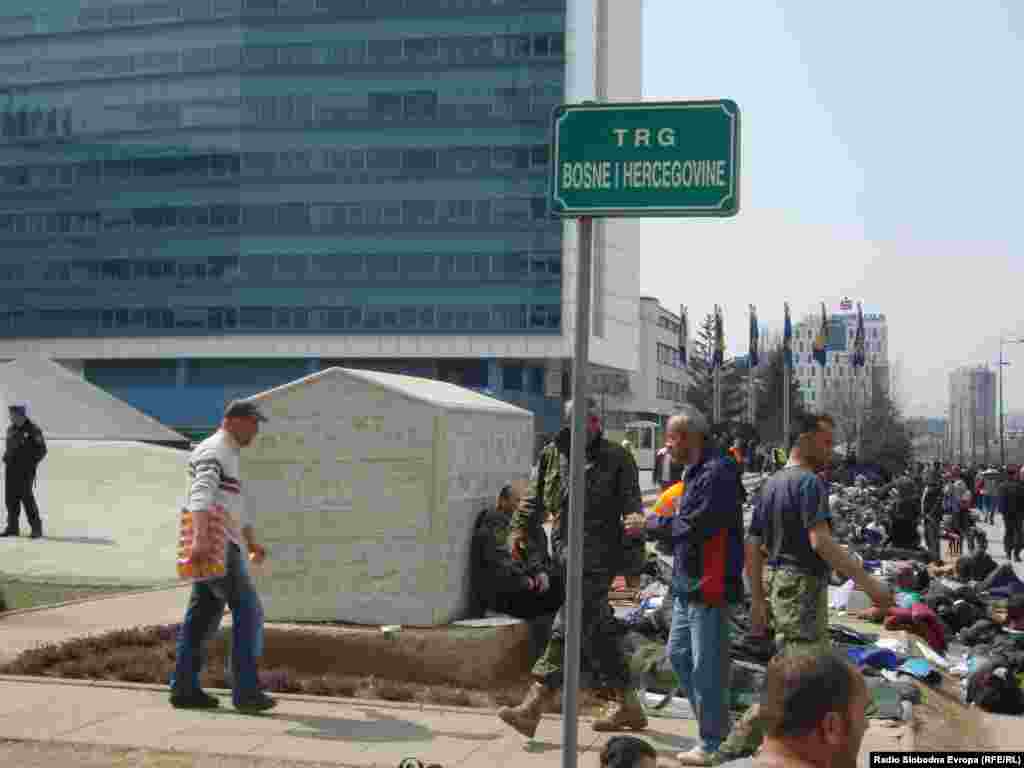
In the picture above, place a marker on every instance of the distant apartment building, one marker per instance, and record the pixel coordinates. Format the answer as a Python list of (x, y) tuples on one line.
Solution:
[(658, 386), (973, 414), (838, 373)]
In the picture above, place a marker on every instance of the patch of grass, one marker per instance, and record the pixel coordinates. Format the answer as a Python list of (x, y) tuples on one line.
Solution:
[(27, 594)]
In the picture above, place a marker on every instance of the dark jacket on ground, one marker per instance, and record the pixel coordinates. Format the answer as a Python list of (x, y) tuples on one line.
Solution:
[(25, 447), (612, 492), (707, 533)]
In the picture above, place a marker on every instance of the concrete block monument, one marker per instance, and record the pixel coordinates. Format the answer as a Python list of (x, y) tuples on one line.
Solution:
[(365, 487)]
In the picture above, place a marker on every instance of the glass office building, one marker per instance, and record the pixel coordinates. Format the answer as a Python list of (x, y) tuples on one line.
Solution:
[(310, 168)]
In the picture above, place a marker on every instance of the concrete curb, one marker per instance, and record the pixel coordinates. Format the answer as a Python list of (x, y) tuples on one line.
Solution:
[(92, 599), (304, 697)]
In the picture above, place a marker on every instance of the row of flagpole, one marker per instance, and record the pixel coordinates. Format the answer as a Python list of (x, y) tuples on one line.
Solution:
[(820, 355)]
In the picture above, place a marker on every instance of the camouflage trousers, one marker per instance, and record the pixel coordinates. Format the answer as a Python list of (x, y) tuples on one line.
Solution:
[(600, 652), (798, 612)]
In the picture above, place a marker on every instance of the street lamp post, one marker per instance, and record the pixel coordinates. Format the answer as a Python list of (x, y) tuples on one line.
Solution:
[(1002, 417)]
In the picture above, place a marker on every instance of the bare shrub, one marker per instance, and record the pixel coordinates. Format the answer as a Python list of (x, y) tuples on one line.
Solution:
[(453, 697), (392, 691)]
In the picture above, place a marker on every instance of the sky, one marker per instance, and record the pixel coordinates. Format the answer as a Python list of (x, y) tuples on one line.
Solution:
[(881, 159)]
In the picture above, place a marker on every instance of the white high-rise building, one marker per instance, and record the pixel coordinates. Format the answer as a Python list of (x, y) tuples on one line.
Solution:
[(838, 373)]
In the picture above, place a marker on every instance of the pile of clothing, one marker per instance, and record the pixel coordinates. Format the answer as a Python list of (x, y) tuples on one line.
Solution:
[(993, 669), (645, 627)]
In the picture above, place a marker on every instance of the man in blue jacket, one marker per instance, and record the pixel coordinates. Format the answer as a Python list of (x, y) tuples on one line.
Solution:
[(707, 581)]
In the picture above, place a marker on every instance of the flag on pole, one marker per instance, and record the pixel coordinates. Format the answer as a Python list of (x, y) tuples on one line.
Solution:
[(754, 338), (787, 338), (718, 358), (684, 336), (821, 340), (858, 340)]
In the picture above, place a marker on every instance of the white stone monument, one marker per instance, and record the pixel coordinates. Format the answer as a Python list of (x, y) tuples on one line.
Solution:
[(364, 486)]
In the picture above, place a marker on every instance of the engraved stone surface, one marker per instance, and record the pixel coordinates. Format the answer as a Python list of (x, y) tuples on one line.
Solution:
[(365, 486)]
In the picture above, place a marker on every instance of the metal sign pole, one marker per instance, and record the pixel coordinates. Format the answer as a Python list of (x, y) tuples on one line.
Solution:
[(785, 405), (574, 565)]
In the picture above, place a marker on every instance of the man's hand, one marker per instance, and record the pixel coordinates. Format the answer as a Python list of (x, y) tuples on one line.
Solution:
[(635, 524), (516, 542), (257, 552), (541, 582)]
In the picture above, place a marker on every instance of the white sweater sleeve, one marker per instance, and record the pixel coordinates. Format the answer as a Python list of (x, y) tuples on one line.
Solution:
[(206, 473)]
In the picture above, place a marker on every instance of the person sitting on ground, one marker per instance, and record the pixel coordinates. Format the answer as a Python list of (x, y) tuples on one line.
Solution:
[(975, 567), (628, 752), (815, 710), (525, 589)]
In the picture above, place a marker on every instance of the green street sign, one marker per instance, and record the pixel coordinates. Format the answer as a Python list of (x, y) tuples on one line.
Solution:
[(679, 158)]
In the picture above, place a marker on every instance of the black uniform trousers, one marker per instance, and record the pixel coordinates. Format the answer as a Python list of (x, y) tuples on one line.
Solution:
[(18, 482)]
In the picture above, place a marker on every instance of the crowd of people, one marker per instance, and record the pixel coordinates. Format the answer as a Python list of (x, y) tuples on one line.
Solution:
[(788, 553), (812, 524)]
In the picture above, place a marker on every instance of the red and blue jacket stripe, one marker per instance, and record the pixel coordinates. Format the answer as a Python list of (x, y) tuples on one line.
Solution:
[(707, 533)]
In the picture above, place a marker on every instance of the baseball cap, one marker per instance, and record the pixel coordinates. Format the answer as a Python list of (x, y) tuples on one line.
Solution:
[(19, 405), (242, 409)]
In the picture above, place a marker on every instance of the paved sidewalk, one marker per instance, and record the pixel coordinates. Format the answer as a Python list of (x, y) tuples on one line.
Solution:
[(334, 731)]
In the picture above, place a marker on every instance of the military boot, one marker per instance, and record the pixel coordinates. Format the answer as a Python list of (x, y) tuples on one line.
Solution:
[(526, 717), (624, 711)]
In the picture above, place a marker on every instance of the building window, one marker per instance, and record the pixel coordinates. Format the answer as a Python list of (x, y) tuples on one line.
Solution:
[(512, 378), (420, 159), (421, 105)]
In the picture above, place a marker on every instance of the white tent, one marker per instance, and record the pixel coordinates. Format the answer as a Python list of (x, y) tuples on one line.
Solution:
[(365, 487), (68, 407)]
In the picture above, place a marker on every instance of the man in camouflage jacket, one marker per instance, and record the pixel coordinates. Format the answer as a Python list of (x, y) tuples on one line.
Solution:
[(612, 492)]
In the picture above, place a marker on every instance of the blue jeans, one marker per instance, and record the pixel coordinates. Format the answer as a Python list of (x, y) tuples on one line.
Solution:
[(202, 619), (698, 649)]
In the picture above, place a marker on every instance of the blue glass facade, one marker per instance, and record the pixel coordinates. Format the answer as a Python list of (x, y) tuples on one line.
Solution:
[(196, 167)]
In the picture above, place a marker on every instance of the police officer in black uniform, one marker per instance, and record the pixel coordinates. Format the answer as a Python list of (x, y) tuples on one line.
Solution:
[(24, 449)]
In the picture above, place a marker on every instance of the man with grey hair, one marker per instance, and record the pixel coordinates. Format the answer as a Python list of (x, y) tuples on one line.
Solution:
[(612, 493), (707, 581)]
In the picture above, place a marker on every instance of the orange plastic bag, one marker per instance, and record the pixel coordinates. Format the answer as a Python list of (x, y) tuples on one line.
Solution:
[(209, 568), (668, 503)]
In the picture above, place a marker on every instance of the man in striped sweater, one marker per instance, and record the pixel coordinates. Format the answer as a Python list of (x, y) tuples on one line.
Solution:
[(214, 474)]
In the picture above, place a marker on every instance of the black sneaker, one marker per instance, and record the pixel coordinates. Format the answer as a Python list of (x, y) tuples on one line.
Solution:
[(194, 700), (260, 702), (8, 532), (37, 534)]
